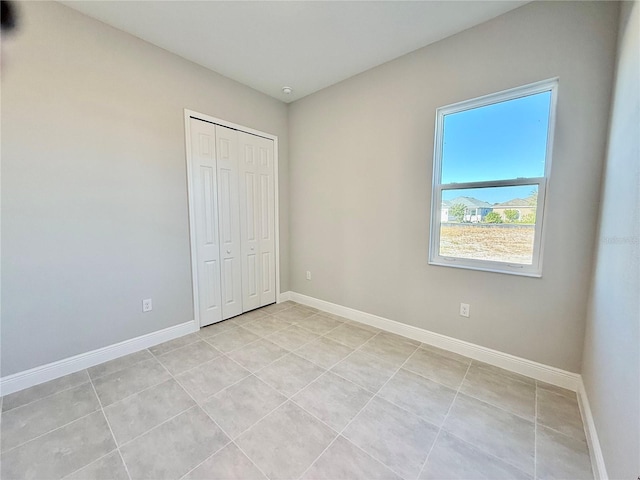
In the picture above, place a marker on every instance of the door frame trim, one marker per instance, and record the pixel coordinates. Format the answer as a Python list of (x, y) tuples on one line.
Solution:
[(188, 114)]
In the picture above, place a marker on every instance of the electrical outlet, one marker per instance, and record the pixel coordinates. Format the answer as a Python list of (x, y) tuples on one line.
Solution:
[(464, 310), (308, 275), (147, 306)]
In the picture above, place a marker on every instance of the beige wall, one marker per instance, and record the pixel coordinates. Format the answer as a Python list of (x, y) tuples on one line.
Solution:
[(94, 199), (360, 171), (611, 366)]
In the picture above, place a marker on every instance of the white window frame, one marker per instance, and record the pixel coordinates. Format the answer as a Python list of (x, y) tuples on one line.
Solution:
[(535, 269)]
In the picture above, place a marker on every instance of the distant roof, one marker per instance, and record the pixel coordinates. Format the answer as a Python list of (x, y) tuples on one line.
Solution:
[(470, 202), (446, 203), (516, 202)]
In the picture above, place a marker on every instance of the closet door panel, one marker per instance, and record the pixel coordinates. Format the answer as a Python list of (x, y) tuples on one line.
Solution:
[(267, 220), (249, 227), (229, 224), (203, 168), (258, 211)]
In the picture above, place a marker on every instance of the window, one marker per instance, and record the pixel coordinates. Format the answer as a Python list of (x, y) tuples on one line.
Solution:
[(490, 172)]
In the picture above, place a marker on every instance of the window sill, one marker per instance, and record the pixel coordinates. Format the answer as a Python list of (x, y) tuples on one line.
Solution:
[(490, 269)]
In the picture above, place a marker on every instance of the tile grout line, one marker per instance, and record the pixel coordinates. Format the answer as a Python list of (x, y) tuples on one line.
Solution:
[(206, 399), (136, 393), (584, 441), (196, 366), (197, 405), (49, 431), (287, 348), (422, 375), (251, 460), (46, 396), (351, 346), (361, 410), (216, 424), (328, 370), (478, 447), (213, 335), (265, 415), (528, 419), (115, 440), (509, 374), (270, 341), (156, 355), (89, 464), (372, 457), (324, 335), (469, 362), (53, 429), (571, 437), (264, 366), (227, 356), (287, 398), (153, 358), (365, 405), (121, 369), (339, 434), (266, 382), (90, 381), (322, 366), (229, 436), (403, 408), (354, 349), (214, 453), (260, 337), (428, 420), (426, 460), (124, 444), (265, 337)]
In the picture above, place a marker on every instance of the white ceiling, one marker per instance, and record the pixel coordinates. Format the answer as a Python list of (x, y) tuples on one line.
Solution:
[(307, 45)]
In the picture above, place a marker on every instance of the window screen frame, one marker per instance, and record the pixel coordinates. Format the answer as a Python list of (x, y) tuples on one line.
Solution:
[(535, 269)]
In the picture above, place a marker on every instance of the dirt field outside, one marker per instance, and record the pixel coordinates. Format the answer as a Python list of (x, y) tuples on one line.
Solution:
[(511, 244)]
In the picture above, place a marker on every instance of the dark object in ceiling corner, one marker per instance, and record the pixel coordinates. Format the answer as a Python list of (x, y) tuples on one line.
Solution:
[(7, 15)]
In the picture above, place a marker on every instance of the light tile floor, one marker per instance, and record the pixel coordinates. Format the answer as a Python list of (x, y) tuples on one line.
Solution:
[(288, 392)]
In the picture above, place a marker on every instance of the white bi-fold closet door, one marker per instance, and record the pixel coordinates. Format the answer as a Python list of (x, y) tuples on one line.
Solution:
[(233, 197)]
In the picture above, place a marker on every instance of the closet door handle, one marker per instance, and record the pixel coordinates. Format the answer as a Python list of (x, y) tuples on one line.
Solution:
[(228, 251), (253, 248)]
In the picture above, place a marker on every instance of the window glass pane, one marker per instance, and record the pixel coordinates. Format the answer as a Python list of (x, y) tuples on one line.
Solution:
[(501, 141), (495, 223)]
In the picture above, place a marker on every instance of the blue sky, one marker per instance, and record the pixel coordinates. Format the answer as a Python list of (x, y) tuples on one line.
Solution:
[(497, 142)]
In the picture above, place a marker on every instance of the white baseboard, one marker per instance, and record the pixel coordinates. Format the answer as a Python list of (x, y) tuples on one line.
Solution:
[(595, 452), (529, 368), (44, 373), (284, 297)]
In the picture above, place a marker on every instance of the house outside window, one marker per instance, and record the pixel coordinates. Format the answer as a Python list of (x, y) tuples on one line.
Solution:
[(492, 162)]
